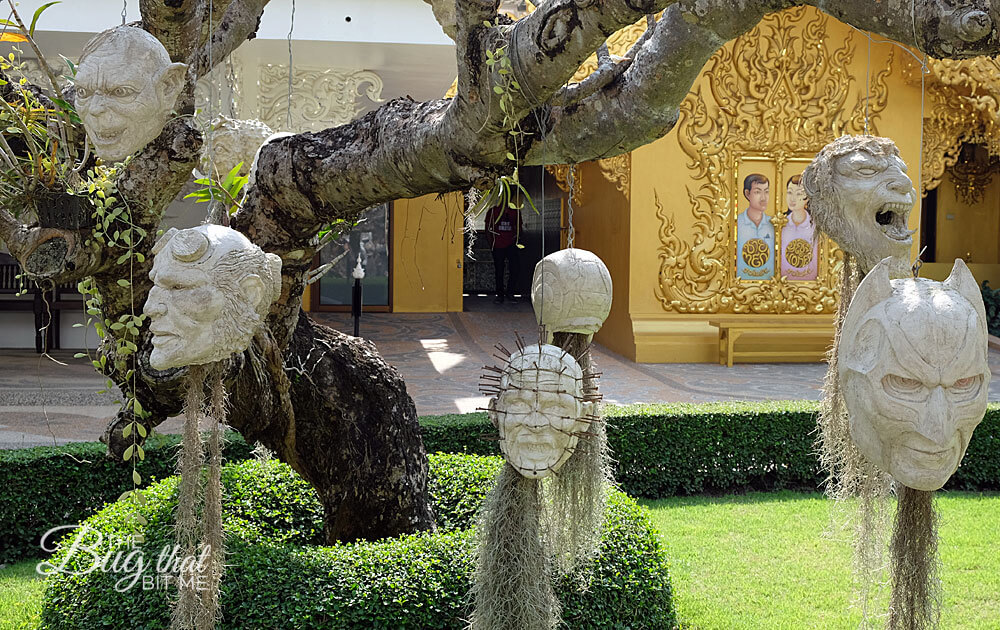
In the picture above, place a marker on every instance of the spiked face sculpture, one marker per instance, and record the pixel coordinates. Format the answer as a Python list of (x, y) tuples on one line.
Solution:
[(861, 197), (211, 290), (125, 90), (914, 371), (571, 292), (540, 411)]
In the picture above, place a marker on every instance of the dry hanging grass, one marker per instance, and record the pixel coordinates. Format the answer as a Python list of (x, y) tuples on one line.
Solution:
[(854, 481), (916, 589), (512, 559), (189, 495)]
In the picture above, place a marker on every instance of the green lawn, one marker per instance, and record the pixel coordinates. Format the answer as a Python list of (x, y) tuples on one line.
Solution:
[(762, 561), (20, 596), (767, 561)]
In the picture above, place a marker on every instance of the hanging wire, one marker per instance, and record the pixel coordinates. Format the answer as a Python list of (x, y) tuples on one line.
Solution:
[(515, 59), (868, 81), (569, 205), (124, 11), (288, 108), (223, 216)]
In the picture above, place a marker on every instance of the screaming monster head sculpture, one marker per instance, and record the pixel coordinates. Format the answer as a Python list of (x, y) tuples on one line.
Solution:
[(861, 197), (914, 372), (540, 410), (125, 90), (211, 290), (576, 286)]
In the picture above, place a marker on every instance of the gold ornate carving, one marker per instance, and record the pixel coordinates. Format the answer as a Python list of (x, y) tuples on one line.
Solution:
[(321, 97), (964, 107), (618, 44), (561, 174), (618, 171), (777, 94)]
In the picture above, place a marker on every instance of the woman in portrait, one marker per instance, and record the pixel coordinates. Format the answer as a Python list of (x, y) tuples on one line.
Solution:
[(799, 243)]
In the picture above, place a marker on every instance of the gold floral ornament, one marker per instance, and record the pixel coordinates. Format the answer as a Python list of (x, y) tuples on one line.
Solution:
[(756, 253), (799, 253)]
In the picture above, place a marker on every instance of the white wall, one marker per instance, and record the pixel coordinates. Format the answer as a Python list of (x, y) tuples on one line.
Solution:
[(381, 21), (17, 330)]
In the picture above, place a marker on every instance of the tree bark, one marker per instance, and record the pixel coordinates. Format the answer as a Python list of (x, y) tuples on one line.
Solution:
[(328, 404)]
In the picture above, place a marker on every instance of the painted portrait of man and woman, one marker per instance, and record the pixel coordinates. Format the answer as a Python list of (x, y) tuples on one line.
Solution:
[(758, 245)]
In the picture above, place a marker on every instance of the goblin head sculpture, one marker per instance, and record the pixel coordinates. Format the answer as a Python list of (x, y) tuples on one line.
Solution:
[(125, 90), (211, 290), (914, 372), (860, 196), (577, 292), (540, 410)]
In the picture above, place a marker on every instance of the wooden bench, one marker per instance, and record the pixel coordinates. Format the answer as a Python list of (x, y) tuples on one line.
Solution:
[(732, 327)]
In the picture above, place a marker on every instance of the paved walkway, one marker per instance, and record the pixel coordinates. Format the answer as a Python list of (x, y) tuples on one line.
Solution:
[(440, 355)]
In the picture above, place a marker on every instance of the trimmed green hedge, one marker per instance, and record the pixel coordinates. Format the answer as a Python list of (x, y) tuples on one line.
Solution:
[(661, 450), (276, 578), (47, 486), (668, 449)]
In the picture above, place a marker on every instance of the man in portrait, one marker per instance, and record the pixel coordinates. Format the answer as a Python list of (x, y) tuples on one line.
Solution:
[(755, 232)]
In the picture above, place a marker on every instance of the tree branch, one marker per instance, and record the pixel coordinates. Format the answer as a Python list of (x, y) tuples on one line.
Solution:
[(176, 24), (239, 22)]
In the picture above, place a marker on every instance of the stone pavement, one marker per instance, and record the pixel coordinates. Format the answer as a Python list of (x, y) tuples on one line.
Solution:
[(440, 355)]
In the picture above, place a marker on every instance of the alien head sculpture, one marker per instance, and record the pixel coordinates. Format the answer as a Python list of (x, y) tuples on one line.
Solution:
[(571, 292), (211, 290), (914, 372), (125, 90), (540, 410), (860, 196)]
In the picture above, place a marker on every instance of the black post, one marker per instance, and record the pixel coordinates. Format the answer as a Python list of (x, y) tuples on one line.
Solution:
[(356, 306)]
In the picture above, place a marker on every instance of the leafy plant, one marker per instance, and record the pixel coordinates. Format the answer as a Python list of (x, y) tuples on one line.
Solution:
[(991, 299), (277, 578), (227, 191)]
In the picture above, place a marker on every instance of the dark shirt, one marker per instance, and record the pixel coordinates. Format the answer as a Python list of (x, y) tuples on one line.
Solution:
[(502, 228)]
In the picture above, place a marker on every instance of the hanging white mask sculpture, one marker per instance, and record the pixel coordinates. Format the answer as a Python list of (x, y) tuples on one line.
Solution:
[(126, 88), (571, 292), (540, 410), (211, 290), (914, 372), (861, 197)]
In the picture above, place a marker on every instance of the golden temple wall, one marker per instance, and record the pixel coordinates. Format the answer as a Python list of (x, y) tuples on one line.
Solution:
[(769, 100)]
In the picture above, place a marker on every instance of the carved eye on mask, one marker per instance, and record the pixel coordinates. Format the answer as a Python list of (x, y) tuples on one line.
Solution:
[(903, 387), (123, 92), (967, 388)]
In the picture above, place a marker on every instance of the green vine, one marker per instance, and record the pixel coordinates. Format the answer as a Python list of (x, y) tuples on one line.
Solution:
[(115, 228), (507, 190)]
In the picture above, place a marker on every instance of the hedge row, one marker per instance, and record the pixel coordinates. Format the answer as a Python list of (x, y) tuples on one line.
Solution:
[(47, 486), (669, 449), (277, 578), (661, 450)]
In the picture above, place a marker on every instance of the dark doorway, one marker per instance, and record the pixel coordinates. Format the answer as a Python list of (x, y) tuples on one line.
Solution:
[(928, 227), (538, 228)]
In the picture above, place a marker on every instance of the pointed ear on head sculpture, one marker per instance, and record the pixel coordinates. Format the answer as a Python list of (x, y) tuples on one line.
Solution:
[(126, 87)]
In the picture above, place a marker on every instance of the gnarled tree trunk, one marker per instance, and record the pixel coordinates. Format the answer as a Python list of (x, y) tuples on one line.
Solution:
[(328, 404)]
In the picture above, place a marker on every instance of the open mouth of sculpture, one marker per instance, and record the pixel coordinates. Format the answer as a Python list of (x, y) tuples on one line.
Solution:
[(108, 136), (891, 218)]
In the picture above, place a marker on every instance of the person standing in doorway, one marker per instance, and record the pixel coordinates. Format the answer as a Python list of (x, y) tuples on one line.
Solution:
[(503, 227)]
